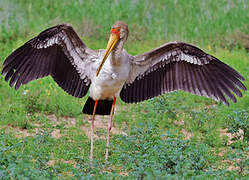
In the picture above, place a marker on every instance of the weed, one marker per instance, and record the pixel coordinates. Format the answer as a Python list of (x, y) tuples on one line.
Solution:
[(239, 120)]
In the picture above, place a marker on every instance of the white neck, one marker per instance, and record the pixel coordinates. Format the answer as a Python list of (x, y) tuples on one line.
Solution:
[(117, 53)]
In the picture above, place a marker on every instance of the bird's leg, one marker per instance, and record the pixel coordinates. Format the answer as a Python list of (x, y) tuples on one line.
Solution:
[(109, 129), (92, 128)]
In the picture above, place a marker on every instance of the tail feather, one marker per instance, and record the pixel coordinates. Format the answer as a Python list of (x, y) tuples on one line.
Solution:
[(103, 108)]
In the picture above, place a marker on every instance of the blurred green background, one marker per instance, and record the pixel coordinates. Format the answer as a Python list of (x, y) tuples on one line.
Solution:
[(192, 21)]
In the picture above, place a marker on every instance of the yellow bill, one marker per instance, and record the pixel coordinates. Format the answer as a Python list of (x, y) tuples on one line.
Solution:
[(111, 44)]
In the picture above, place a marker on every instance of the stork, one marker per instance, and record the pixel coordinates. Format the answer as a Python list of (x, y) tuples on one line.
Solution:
[(107, 74)]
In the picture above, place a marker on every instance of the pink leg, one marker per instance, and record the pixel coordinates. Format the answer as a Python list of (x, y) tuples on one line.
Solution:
[(92, 127), (109, 129)]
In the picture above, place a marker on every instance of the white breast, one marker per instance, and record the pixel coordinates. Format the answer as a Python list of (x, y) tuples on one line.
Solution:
[(110, 79)]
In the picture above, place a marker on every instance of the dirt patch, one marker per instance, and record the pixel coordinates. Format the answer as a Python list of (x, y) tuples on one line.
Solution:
[(56, 134), (68, 121), (22, 132), (19, 132), (179, 123), (231, 166), (224, 132), (53, 119), (187, 134), (124, 173), (52, 162), (100, 124), (222, 152)]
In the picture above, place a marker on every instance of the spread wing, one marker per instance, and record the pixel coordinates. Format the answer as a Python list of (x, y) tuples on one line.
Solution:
[(180, 66), (57, 51)]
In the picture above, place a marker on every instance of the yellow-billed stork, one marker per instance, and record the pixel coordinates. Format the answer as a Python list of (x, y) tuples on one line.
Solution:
[(59, 52)]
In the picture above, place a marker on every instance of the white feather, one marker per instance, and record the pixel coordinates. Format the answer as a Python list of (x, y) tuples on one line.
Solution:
[(111, 78)]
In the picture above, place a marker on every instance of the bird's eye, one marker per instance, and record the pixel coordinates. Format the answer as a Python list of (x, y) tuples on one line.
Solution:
[(115, 30)]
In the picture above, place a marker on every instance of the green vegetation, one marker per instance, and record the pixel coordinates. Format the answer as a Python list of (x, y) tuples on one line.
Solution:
[(43, 134)]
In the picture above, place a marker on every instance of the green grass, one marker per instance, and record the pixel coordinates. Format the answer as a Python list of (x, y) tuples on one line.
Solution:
[(175, 136)]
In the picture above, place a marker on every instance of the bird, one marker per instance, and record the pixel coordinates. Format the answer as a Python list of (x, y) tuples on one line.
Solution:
[(112, 72)]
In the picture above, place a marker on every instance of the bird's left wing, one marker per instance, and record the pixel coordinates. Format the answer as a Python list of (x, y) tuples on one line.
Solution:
[(57, 51), (180, 66)]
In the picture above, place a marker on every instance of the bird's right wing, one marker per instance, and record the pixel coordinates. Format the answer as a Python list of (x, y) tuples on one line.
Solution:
[(57, 51)]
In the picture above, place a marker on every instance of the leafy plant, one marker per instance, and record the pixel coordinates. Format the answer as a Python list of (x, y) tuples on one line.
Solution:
[(237, 122), (148, 152)]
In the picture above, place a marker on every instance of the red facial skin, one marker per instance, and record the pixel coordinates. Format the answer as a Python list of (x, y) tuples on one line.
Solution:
[(116, 31)]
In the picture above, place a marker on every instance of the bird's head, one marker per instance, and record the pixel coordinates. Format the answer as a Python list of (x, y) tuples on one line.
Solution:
[(119, 32)]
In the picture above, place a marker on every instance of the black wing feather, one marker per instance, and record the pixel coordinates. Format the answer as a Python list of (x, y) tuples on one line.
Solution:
[(181, 66), (48, 54)]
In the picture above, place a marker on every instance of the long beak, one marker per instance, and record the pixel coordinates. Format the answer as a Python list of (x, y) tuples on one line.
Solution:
[(111, 44)]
